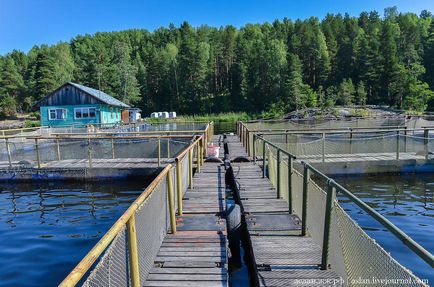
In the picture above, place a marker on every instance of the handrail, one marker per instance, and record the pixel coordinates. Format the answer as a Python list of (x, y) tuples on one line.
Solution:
[(332, 186), (83, 266), (325, 118), (93, 137), (401, 235), (128, 218), (334, 131), (138, 133)]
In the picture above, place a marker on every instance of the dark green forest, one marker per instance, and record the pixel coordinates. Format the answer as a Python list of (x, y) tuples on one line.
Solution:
[(276, 67)]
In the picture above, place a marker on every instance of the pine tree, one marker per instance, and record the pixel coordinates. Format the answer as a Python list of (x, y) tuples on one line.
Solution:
[(361, 93), (346, 93), (45, 78)]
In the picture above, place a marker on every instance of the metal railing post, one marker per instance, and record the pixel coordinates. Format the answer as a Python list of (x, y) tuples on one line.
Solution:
[(168, 147), (179, 186), (197, 157), (190, 168), (89, 152), (248, 142), (8, 149), (306, 179), (254, 148), (171, 202), (327, 225), (159, 151), (397, 145), (38, 156), (58, 147), (405, 139), (290, 166), (113, 148), (201, 152), (278, 174), (132, 252), (351, 141), (264, 159), (426, 141), (323, 147)]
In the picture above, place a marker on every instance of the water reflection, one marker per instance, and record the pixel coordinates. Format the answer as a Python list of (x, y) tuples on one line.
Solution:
[(46, 228), (407, 201)]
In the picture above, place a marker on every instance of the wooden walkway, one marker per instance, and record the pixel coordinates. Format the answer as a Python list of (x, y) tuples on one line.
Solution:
[(282, 256), (197, 254)]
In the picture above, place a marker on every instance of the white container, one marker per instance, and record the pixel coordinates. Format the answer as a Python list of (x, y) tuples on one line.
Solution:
[(160, 115), (164, 115), (172, 115), (154, 115)]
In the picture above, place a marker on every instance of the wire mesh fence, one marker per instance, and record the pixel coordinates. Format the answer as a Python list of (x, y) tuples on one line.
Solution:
[(40, 151), (323, 146), (351, 252), (152, 221)]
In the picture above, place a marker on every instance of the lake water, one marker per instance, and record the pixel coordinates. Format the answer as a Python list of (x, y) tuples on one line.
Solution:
[(408, 202), (47, 228)]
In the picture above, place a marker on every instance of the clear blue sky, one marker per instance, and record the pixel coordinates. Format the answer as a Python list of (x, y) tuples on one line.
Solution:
[(24, 23)]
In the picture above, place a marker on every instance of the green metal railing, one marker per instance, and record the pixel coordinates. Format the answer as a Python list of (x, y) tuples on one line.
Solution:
[(332, 189)]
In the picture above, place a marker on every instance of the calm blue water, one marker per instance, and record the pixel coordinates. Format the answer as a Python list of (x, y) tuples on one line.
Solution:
[(45, 229), (407, 201)]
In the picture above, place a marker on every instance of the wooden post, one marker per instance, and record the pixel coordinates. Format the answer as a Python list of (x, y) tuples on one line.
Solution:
[(290, 166), (351, 140), (263, 158), (278, 174), (306, 179), (89, 152), (171, 202), (190, 168), (327, 226), (132, 252), (168, 147), (159, 151), (8, 149), (179, 185), (113, 148), (38, 157)]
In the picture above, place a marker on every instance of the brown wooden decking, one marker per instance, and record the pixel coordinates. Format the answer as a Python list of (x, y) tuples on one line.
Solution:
[(197, 254)]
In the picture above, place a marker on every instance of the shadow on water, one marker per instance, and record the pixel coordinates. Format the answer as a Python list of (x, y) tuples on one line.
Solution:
[(46, 228)]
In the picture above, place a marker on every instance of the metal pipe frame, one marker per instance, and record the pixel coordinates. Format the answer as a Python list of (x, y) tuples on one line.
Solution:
[(127, 219)]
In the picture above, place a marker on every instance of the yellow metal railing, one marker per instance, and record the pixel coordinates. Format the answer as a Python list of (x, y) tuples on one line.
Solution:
[(128, 218), (56, 139)]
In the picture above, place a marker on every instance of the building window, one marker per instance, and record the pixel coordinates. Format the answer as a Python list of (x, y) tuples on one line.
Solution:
[(85, 113), (56, 114)]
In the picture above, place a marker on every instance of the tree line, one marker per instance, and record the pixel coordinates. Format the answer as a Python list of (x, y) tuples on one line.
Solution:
[(275, 67)]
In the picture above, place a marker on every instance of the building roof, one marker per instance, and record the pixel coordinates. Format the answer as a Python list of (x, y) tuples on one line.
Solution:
[(100, 95)]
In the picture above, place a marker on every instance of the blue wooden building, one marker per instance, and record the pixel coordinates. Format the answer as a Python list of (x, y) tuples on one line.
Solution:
[(74, 104)]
